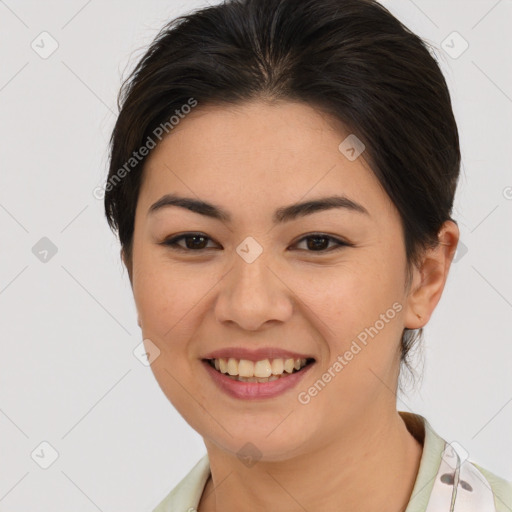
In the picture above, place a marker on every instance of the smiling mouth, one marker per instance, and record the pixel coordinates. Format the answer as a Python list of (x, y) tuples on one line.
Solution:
[(265, 370)]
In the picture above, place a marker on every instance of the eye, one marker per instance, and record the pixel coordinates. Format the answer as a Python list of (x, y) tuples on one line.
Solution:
[(196, 242), (318, 242)]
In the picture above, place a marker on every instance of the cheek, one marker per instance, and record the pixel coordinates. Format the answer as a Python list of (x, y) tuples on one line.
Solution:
[(167, 299), (350, 297), (166, 292), (358, 313), (358, 317)]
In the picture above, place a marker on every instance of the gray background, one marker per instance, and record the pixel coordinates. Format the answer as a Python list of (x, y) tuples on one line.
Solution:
[(68, 375)]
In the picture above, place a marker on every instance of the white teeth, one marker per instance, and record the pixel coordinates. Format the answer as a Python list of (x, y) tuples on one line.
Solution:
[(265, 370), (246, 368), (277, 366), (288, 365), (262, 368), (232, 366)]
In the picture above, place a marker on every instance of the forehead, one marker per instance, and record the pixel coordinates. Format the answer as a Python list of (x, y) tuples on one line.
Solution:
[(258, 153), (276, 131)]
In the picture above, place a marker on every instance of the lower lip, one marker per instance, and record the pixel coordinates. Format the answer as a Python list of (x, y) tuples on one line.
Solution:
[(255, 390)]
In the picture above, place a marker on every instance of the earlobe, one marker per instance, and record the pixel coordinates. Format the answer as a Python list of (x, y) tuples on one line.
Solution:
[(429, 278)]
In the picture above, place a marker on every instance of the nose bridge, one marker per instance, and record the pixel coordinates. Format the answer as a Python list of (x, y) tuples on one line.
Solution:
[(252, 276), (252, 293), (251, 268)]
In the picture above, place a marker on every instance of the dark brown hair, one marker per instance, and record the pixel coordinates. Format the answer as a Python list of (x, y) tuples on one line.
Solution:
[(350, 58)]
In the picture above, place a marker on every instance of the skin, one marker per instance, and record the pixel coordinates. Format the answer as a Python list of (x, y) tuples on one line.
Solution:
[(250, 160)]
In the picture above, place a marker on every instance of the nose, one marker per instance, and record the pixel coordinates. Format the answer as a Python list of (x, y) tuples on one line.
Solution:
[(253, 294)]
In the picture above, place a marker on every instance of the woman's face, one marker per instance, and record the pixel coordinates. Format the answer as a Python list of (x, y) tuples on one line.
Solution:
[(255, 282)]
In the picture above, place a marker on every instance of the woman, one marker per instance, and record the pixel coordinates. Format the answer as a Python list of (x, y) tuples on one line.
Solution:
[(282, 177)]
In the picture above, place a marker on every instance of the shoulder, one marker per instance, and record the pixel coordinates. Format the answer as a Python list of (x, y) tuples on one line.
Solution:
[(187, 494), (501, 489), (447, 478)]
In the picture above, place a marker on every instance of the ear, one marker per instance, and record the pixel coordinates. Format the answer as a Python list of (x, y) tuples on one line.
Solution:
[(430, 276), (128, 264)]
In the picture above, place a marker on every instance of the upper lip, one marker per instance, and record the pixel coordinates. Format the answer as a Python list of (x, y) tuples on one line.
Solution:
[(255, 354)]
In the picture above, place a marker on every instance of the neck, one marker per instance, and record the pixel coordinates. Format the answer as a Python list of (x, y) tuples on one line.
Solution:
[(374, 463)]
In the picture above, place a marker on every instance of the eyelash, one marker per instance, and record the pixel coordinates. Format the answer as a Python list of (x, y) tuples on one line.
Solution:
[(173, 242)]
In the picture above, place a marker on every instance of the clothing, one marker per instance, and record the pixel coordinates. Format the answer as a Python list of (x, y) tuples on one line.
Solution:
[(478, 489)]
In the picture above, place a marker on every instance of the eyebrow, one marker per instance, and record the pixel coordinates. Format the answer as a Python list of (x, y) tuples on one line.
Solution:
[(284, 214)]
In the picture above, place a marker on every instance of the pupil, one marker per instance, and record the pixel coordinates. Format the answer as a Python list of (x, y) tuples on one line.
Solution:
[(316, 245), (192, 245)]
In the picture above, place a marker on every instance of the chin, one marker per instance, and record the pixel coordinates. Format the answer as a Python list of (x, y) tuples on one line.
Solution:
[(265, 443)]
